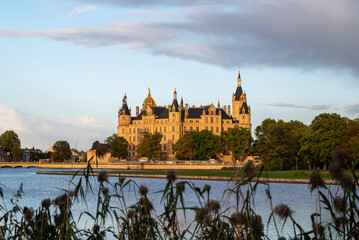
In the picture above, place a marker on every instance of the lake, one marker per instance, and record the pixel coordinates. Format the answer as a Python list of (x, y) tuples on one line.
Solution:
[(38, 187)]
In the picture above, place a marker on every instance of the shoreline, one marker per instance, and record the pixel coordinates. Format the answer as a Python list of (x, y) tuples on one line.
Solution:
[(210, 178)]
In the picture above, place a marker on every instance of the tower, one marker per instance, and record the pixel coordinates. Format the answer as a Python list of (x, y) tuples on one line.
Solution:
[(124, 117), (241, 110)]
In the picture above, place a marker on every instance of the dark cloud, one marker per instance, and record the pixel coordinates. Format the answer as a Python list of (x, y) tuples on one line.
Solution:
[(269, 33), (311, 107)]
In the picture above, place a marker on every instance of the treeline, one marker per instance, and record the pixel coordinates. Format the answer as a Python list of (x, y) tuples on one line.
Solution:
[(289, 145)]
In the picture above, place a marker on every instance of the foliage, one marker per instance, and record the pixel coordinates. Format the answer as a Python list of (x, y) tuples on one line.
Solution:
[(150, 146), (350, 143), (278, 143), (326, 131), (185, 147), (16, 152), (214, 219), (101, 148), (61, 152), (8, 140), (208, 145), (118, 146), (238, 140)]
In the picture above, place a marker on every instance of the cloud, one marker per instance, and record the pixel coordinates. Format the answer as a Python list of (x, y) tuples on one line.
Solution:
[(311, 107), (42, 132), (79, 10), (270, 33), (351, 109)]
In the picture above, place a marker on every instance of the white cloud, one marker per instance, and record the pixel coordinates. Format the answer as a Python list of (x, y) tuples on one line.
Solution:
[(42, 132), (82, 9)]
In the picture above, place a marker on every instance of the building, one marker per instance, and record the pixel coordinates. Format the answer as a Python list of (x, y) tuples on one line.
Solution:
[(176, 119)]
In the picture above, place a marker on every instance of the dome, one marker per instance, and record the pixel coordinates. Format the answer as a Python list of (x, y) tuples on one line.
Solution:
[(149, 100)]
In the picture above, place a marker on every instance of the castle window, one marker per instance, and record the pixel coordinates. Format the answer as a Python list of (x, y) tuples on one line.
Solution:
[(191, 128), (212, 112), (211, 119), (206, 119), (164, 129), (129, 147), (138, 138), (164, 146), (197, 129), (243, 117), (197, 121), (133, 153), (134, 147), (206, 128), (173, 137), (156, 129), (130, 130), (191, 121), (173, 128), (123, 130), (217, 129), (211, 129), (134, 138), (164, 137), (160, 129)]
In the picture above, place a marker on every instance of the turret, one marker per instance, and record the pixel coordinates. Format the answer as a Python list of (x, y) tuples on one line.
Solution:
[(124, 114), (174, 106)]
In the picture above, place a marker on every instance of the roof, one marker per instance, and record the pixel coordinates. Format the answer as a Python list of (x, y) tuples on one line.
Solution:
[(174, 105), (125, 110), (238, 93), (244, 109), (159, 112), (197, 112)]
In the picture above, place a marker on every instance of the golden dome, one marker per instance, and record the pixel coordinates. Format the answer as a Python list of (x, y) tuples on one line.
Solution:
[(149, 100)]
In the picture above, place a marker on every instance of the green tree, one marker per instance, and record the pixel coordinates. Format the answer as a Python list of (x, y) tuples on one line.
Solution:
[(350, 143), (16, 152), (238, 140), (150, 146), (8, 140), (62, 151), (118, 146), (185, 147), (326, 131), (278, 143), (208, 145)]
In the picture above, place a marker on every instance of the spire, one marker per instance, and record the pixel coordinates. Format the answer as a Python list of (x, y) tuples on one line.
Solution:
[(219, 104), (149, 92), (181, 101), (239, 80), (175, 94)]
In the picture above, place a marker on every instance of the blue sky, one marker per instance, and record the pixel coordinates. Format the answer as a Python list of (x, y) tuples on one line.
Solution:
[(65, 65)]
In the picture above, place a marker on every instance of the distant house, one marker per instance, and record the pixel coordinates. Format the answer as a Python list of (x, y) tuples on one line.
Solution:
[(74, 155)]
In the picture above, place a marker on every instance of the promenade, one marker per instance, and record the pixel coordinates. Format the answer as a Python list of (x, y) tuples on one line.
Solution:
[(130, 165)]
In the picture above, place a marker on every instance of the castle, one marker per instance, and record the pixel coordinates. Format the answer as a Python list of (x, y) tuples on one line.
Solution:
[(176, 119)]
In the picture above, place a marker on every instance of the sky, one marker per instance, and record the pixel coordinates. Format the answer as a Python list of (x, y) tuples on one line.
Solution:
[(66, 65)]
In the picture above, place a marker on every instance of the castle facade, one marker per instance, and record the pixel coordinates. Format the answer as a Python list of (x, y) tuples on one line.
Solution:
[(178, 118)]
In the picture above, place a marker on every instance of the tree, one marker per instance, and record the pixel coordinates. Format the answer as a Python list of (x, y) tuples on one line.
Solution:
[(278, 143), (8, 140), (326, 131), (238, 140), (150, 146), (118, 146), (208, 145), (350, 143), (61, 152), (101, 148), (16, 152), (185, 147)]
